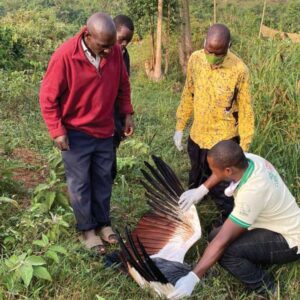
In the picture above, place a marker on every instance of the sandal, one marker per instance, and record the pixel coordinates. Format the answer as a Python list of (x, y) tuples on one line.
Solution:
[(108, 235), (95, 244)]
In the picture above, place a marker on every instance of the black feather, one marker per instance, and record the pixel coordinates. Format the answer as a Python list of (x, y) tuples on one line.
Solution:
[(131, 259), (168, 174), (137, 255), (156, 185), (154, 268), (161, 180)]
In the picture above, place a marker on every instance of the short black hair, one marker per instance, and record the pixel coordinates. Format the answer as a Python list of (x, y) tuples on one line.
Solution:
[(122, 20), (228, 154)]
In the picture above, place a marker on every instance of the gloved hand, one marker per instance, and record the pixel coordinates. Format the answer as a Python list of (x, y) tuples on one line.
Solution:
[(193, 196), (184, 286), (177, 138)]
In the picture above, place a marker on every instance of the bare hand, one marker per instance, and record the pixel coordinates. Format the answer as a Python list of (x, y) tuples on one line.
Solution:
[(62, 143), (129, 125)]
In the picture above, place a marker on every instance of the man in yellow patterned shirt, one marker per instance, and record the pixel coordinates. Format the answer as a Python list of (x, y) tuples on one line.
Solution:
[(217, 94)]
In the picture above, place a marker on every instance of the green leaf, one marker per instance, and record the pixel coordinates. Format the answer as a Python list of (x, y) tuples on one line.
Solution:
[(45, 239), (8, 200), (53, 255), (58, 249), (8, 240), (40, 243), (42, 272), (26, 272), (35, 260), (62, 199), (50, 197), (12, 261), (41, 187), (22, 256)]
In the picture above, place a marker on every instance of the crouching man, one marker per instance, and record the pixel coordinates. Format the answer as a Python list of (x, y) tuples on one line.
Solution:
[(263, 228)]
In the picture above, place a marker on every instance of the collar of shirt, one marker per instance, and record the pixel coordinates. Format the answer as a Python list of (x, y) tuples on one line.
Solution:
[(247, 173), (229, 191), (94, 61)]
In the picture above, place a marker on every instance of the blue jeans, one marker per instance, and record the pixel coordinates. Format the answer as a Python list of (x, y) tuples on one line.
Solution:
[(255, 248), (88, 170)]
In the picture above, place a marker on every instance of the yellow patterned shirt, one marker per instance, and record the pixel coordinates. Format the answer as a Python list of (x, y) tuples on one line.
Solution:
[(219, 100)]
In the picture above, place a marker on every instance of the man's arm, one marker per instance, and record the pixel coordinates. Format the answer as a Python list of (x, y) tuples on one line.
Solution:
[(245, 110), (53, 86), (124, 98), (185, 108), (194, 196), (228, 233)]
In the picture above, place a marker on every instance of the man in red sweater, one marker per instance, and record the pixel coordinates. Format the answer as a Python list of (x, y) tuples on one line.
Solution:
[(85, 76)]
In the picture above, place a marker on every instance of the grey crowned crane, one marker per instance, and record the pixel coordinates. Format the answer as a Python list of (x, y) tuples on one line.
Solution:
[(154, 251)]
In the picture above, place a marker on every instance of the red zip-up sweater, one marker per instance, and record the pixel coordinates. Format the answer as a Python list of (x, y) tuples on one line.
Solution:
[(75, 95)]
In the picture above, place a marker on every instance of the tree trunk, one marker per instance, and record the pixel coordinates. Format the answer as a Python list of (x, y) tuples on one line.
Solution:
[(167, 40), (185, 47), (157, 73), (152, 43)]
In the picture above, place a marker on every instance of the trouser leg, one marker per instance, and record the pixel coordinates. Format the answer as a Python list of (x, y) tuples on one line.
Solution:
[(114, 164), (102, 160), (77, 162), (200, 171), (245, 256)]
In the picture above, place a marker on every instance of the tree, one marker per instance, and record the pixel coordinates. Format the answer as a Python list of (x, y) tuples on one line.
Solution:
[(156, 73), (185, 46), (163, 13)]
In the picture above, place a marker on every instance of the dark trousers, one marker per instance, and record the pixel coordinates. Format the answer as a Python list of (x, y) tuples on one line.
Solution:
[(118, 137), (200, 171), (88, 171), (114, 164), (245, 257)]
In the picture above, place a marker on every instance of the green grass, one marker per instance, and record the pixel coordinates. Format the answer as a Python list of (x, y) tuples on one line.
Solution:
[(274, 68)]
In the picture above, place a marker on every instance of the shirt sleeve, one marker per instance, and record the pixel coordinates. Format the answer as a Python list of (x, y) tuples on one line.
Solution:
[(54, 85), (124, 93), (248, 205), (246, 115), (185, 108)]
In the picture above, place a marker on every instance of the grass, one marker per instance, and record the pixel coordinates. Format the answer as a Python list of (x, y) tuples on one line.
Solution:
[(274, 67)]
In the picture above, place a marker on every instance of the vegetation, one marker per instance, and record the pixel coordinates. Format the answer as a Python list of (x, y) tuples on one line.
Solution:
[(40, 255)]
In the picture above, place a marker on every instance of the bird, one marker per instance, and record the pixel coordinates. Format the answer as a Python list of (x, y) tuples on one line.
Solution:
[(153, 253)]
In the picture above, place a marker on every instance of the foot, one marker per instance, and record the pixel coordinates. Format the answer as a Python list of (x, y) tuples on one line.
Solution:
[(93, 242), (108, 235)]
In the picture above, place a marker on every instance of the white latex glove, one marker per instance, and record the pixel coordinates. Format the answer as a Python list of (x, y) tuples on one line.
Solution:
[(184, 286), (193, 196), (177, 138)]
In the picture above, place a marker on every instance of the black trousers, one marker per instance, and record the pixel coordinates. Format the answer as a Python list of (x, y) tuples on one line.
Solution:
[(246, 255), (200, 171), (116, 143), (118, 137)]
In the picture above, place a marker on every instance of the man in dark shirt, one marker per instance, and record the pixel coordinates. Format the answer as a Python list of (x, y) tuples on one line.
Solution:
[(125, 30)]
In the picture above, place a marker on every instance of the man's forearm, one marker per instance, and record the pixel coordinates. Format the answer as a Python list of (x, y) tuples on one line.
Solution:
[(211, 181), (210, 256)]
